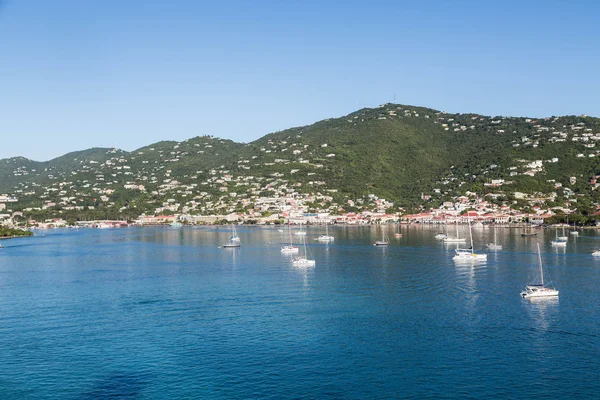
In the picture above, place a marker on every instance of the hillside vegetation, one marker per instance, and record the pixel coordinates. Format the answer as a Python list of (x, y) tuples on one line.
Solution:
[(395, 152)]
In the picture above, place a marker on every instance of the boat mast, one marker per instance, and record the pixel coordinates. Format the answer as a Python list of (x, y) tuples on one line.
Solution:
[(540, 262), (470, 235)]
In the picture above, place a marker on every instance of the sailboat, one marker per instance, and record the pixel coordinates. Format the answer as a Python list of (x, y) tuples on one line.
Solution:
[(303, 261), (456, 239), (528, 233), (234, 237), (326, 237), (469, 254), (558, 242), (495, 245), (384, 240), (539, 290), (234, 241), (290, 248), (563, 237), (596, 253)]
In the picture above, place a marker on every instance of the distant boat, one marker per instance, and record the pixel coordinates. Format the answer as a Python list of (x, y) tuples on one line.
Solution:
[(538, 289), (234, 241), (574, 233), (300, 233), (528, 233), (468, 254), (290, 248), (558, 242), (383, 242), (563, 237), (455, 239), (397, 233), (326, 237), (440, 236), (234, 237), (303, 260), (176, 224), (596, 253), (495, 245)]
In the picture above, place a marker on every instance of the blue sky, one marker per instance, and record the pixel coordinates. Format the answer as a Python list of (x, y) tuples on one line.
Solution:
[(80, 73)]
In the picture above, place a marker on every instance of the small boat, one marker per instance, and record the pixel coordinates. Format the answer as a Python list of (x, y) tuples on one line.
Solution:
[(290, 248), (468, 254), (563, 237), (495, 245), (231, 244), (559, 242), (326, 237), (596, 253), (280, 230), (303, 261), (538, 289), (456, 239), (383, 242), (440, 236), (176, 224), (300, 233), (574, 233), (234, 237)]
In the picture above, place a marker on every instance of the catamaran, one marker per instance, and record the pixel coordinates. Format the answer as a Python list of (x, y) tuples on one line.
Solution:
[(538, 289), (455, 239), (495, 245), (468, 254), (303, 261)]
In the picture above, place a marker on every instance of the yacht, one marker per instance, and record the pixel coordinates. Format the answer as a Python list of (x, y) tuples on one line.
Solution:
[(383, 242), (441, 235), (596, 253), (234, 237), (290, 248), (559, 242), (538, 289), (495, 245), (468, 254), (303, 260), (326, 237), (455, 239)]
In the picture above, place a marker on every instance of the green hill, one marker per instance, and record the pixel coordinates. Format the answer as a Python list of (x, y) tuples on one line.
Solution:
[(395, 152)]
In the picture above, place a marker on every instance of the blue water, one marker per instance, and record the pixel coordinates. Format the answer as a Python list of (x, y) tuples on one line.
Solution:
[(155, 313)]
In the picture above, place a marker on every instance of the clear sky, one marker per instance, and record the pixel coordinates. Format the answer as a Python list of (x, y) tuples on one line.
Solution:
[(81, 73)]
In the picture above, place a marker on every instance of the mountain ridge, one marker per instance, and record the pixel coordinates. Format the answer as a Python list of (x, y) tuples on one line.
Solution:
[(410, 156)]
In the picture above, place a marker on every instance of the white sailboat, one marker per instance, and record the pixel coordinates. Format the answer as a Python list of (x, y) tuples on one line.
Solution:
[(234, 237), (454, 239), (384, 240), (326, 237), (563, 237), (441, 235), (303, 260), (558, 242), (232, 242), (596, 253), (495, 245), (290, 248), (468, 254), (539, 290)]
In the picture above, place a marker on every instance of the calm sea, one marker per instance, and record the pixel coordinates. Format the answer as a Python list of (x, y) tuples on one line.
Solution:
[(157, 313)]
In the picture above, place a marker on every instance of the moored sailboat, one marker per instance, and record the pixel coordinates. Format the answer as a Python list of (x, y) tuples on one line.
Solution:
[(469, 254), (538, 289)]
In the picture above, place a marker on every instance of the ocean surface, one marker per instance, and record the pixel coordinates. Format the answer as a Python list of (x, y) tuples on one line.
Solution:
[(165, 313)]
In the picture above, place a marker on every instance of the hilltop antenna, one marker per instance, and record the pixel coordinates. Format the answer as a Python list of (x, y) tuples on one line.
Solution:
[(394, 101)]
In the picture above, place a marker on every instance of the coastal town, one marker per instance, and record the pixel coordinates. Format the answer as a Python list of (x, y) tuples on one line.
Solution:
[(297, 177)]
